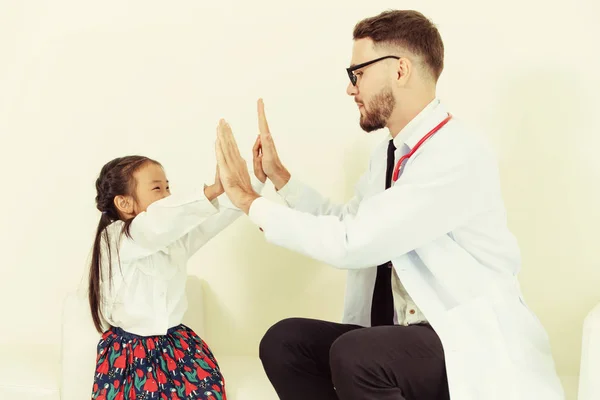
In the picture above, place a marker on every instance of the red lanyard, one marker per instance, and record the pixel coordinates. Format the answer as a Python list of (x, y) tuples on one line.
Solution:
[(407, 156)]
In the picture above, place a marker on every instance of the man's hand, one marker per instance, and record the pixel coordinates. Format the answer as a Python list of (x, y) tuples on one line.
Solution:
[(233, 170), (271, 164)]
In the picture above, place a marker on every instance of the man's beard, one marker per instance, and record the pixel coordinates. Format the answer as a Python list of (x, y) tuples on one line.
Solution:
[(380, 110)]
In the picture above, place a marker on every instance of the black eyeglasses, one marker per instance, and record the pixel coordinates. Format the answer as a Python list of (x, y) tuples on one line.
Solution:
[(351, 70)]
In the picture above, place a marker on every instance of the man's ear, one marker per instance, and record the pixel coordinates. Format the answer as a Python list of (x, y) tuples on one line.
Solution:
[(404, 69)]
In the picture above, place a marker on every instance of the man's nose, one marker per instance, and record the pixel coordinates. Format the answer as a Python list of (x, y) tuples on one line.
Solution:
[(351, 90)]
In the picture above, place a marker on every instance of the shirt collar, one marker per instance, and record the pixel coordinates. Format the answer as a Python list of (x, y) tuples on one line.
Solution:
[(426, 120)]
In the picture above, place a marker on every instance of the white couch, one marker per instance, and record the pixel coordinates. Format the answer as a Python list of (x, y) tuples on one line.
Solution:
[(589, 371), (66, 372)]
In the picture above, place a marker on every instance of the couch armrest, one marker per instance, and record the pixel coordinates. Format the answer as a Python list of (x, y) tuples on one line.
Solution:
[(589, 374)]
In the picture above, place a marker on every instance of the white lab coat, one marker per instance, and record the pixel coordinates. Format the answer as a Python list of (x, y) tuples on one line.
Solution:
[(443, 226)]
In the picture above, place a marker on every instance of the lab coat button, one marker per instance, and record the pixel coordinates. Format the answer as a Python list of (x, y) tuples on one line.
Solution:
[(412, 311)]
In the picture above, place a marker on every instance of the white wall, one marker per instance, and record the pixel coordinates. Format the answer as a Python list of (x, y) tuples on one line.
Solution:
[(83, 82)]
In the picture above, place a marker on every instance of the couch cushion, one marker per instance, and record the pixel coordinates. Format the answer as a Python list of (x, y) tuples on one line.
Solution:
[(245, 378), (29, 372)]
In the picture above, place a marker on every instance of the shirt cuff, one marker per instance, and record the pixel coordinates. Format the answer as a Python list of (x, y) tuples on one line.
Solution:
[(291, 191), (259, 211), (257, 185), (214, 202), (223, 201)]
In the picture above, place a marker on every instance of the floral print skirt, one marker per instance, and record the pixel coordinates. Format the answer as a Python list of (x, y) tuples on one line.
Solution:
[(176, 366)]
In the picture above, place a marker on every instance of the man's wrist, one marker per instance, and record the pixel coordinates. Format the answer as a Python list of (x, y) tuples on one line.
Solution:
[(281, 178), (246, 202)]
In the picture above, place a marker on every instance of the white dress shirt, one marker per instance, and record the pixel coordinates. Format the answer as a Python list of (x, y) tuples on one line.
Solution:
[(443, 226), (146, 295), (406, 312)]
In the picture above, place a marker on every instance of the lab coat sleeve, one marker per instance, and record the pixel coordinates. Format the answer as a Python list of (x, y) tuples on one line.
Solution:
[(302, 197), (425, 204), (213, 225), (166, 221)]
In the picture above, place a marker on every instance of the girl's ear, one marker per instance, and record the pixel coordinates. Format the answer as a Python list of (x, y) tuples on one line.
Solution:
[(124, 204)]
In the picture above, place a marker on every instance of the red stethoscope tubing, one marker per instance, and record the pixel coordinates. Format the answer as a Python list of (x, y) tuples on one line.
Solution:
[(423, 139)]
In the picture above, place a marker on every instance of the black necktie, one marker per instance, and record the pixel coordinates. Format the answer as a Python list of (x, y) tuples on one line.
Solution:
[(382, 308)]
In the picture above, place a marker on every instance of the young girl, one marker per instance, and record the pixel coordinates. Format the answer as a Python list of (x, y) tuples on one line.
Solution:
[(137, 283)]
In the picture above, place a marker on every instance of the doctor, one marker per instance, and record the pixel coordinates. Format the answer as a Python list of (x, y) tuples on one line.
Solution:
[(433, 308)]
